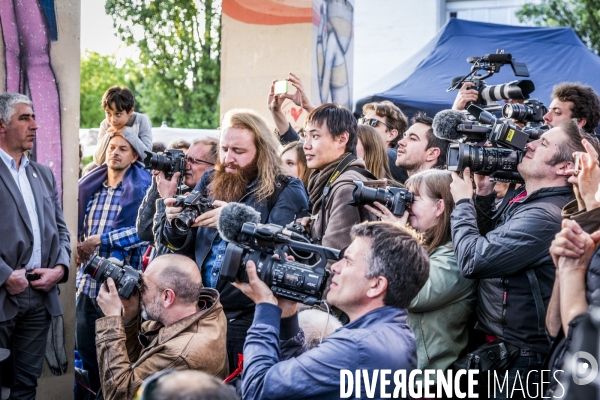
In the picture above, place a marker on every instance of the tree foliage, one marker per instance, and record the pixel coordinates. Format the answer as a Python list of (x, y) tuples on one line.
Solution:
[(98, 73), (179, 44), (581, 15)]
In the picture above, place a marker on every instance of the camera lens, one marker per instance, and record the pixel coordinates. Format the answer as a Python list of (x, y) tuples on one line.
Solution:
[(185, 220), (365, 195), (519, 112)]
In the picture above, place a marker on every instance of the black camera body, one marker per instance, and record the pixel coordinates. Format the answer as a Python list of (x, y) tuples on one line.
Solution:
[(507, 139), (289, 279), (194, 204), (126, 279), (531, 112), (394, 199), (170, 162)]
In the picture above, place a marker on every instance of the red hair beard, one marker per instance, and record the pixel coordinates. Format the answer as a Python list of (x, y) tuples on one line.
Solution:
[(231, 186)]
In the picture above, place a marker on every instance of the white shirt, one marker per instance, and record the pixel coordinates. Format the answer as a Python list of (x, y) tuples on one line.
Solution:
[(20, 177)]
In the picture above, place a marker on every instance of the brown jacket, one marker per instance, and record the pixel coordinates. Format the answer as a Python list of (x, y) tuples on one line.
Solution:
[(339, 215), (196, 342)]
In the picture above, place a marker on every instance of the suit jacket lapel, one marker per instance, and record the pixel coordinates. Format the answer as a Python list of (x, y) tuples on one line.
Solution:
[(38, 193), (14, 191)]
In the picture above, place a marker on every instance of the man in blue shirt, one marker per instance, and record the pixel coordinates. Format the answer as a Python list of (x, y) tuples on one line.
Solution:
[(374, 282), (109, 198)]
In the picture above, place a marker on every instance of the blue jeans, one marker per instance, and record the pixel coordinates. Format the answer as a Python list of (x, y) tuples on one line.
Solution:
[(523, 365), (87, 312)]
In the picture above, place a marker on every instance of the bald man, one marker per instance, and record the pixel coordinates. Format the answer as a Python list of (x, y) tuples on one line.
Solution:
[(185, 328)]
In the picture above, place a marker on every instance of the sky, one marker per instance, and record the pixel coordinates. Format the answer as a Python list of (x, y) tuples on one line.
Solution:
[(97, 32)]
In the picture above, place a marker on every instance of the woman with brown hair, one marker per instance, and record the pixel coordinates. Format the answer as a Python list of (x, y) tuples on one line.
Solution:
[(440, 313), (294, 162), (371, 148)]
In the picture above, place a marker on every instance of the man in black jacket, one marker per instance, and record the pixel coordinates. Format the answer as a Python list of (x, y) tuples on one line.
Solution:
[(509, 255)]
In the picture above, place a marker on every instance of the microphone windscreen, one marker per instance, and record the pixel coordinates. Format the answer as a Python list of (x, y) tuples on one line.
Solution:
[(233, 217), (445, 123)]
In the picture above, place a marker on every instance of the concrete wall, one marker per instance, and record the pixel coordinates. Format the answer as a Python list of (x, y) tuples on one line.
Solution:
[(64, 56), (263, 41)]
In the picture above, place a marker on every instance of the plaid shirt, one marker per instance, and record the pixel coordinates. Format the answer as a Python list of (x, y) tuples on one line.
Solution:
[(123, 244)]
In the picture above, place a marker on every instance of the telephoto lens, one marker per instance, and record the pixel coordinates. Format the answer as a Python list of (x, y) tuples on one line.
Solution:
[(394, 199)]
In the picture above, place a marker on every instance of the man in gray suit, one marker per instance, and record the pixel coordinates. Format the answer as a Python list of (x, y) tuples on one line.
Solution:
[(34, 251)]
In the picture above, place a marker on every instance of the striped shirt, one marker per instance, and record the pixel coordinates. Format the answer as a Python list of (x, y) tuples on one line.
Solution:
[(123, 244)]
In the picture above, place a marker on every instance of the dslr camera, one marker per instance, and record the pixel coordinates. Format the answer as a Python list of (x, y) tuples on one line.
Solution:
[(126, 279), (170, 162), (394, 199), (289, 279), (194, 204)]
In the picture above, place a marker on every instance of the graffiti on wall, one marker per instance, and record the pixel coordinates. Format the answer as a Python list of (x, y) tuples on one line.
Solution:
[(28, 27), (334, 41)]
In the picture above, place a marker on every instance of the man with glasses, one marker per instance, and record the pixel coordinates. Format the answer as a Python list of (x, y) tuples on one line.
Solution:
[(200, 157), (184, 328), (391, 123)]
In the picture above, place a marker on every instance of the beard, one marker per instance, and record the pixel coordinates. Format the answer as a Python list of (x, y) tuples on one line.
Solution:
[(231, 186), (152, 311)]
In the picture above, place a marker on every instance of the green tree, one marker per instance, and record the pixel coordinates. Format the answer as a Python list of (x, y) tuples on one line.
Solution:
[(179, 43), (581, 15), (98, 73)]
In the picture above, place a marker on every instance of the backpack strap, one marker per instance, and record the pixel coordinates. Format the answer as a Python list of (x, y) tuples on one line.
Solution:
[(280, 185)]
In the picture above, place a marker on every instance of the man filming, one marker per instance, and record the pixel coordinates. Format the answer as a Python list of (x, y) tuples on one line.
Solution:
[(378, 275), (509, 255), (184, 328)]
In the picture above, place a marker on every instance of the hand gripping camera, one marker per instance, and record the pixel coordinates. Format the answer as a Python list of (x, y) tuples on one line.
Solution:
[(194, 204), (126, 278)]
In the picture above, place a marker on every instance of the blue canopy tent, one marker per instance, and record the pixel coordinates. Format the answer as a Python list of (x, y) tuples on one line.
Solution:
[(552, 55)]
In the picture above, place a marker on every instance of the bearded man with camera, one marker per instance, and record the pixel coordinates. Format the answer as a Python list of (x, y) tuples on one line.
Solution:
[(248, 171), (184, 326)]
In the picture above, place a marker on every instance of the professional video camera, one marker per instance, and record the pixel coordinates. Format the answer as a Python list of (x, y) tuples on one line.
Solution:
[(126, 278), (491, 63), (507, 140), (250, 240), (394, 199), (194, 204)]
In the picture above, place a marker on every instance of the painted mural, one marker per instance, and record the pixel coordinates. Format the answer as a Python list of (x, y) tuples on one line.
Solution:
[(333, 42), (28, 27)]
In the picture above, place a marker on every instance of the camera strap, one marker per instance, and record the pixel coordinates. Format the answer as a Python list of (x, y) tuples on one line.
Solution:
[(334, 175)]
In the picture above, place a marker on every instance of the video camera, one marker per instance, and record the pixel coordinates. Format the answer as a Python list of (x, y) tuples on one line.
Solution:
[(126, 278), (491, 63), (260, 243), (507, 139)]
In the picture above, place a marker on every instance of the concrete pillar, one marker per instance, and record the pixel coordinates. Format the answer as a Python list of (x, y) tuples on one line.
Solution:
[(263, 41), (60, 151)]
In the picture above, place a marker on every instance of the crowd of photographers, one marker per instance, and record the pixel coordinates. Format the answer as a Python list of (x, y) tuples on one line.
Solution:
[(236, 258)]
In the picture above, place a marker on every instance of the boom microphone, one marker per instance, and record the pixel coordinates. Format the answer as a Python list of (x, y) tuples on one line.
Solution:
[(231, 220), (445, 123)]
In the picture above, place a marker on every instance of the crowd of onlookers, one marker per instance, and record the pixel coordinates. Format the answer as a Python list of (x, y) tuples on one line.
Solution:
[(462, 273)]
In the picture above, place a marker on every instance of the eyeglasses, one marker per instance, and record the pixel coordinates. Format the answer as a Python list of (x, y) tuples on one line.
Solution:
[(197, 161), (373, 122)]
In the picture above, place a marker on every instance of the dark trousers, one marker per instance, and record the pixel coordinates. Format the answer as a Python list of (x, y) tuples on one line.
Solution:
[(87, 312), (531, 387), (237, 330), (25, 336)]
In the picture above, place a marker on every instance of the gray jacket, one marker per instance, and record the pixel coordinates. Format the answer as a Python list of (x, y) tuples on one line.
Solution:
[(16, 234)]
